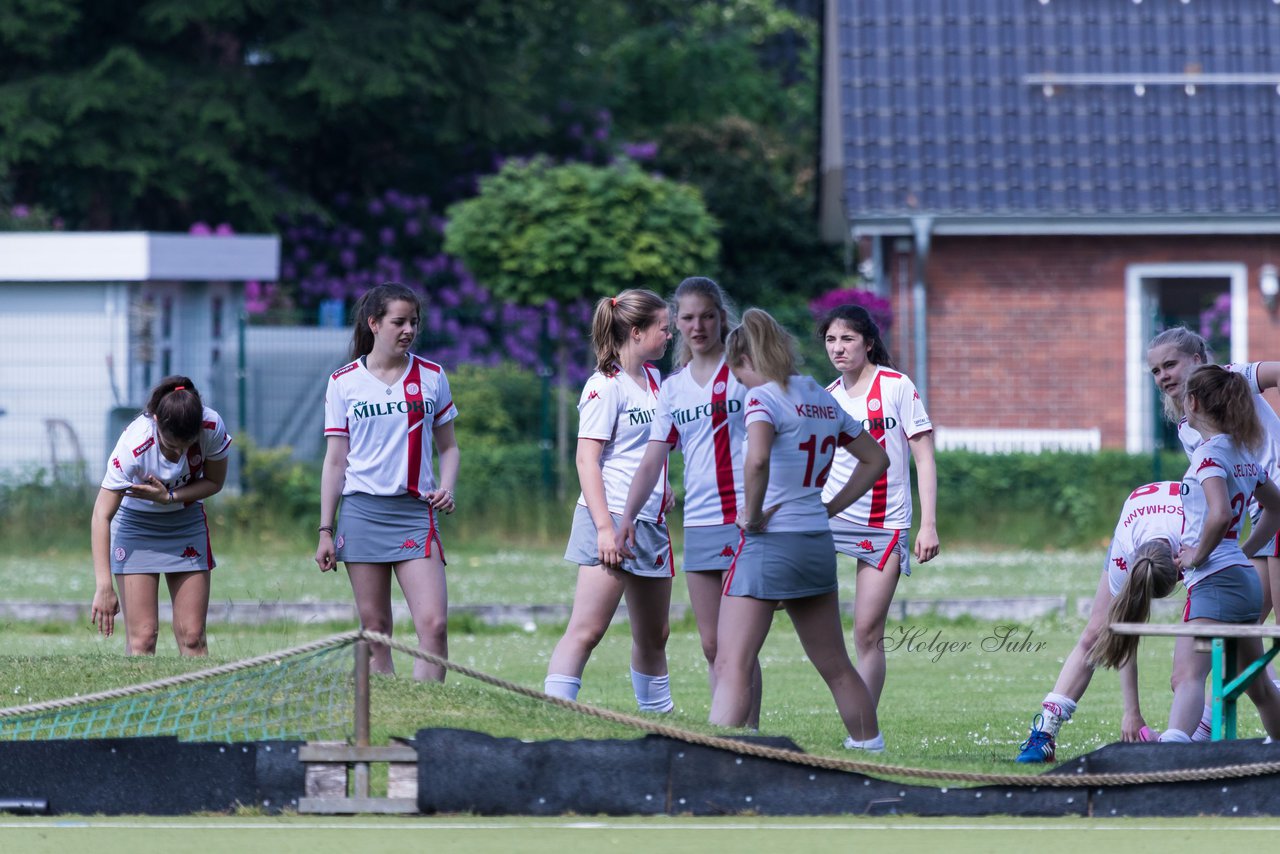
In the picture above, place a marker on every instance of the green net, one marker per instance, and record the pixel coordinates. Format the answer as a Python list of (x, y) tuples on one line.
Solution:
[(304, 693)]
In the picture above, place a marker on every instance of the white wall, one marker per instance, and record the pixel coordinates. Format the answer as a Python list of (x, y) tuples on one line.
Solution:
[(54, 344)]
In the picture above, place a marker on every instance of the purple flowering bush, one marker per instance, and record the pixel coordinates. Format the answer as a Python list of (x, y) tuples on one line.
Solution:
[(880, 309), (398, 237), (1215, 323)]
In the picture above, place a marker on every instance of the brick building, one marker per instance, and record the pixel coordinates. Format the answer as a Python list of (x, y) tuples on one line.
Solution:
[(1041, 185)]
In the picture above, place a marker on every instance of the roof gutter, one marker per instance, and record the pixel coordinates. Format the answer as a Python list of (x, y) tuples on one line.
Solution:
[(960, 226)]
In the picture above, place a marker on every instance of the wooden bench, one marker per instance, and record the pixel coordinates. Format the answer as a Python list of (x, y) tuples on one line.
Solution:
[(1228, 682)]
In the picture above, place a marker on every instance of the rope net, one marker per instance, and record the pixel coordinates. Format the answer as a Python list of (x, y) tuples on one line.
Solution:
[(302, 693)]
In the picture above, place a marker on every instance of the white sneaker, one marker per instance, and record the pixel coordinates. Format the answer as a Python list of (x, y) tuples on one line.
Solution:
[(871, 745)]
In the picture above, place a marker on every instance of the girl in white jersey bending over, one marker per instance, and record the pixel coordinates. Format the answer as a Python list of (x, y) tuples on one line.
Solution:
[(700, 409), (383, 413), (1221, 585), (786, 555), (1139, 567), (874, 529), (149, 519), (614, 417)]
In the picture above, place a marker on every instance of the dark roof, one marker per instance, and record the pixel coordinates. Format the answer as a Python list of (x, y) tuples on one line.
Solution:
[(1017, 110)]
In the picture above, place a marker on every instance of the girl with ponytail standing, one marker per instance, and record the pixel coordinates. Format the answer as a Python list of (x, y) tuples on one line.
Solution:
[(148, 519), (615, 412), (384, 412), (1222, 586), (787, 554)]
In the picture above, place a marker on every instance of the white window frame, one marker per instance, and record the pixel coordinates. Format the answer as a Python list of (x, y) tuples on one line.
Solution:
[(1138, 294)]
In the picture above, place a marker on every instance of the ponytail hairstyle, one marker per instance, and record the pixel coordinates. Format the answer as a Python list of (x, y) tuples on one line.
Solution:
[(859, 320), (1189, 344), (613, 320), (373, 305), (701, 286), (770, 348), (176, 408), (1227, 401), (1152, 576)]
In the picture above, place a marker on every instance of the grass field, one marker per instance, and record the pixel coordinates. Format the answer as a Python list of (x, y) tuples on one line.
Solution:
[(296, 835), (525, 576), (960, 693)]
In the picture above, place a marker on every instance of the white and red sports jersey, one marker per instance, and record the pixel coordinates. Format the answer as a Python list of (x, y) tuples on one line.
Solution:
[(1218, 457), (892, 412), (620, 413), (137, 454), (1269, 453), (707, 423), (1151, 512), (809, 426), (388, 426)]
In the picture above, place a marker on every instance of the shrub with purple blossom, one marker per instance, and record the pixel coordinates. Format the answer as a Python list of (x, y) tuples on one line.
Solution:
[(399, 237), (880, 309)]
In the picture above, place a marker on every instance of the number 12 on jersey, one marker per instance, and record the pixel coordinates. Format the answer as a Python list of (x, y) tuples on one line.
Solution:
[(814, 452)]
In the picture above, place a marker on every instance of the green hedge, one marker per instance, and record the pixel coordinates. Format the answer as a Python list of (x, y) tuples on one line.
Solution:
[(1034, 501), (1052, 500)]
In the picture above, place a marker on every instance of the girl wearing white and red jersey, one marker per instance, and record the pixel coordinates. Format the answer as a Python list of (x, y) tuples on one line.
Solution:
[(148, 519), (700, 410), (874, 530), (1172, 355), (787, 554), (615, 413), (1147, 536), (1221, 585), (384, 413)]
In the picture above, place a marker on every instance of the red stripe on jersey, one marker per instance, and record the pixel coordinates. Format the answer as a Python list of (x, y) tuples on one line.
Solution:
[(720, 441), (442, 412), (430, 366), (195, 463), (673, 437), (879, 492), (414, 418)]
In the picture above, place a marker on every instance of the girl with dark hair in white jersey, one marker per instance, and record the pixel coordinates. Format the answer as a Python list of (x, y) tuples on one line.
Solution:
[(384, 413), (614, 416), (149, 519)]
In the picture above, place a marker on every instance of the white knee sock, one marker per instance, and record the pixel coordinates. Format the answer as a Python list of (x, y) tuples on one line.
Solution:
[(1175, 735), (1204, 730), (653, 693), (1057, 710), (564, 687)]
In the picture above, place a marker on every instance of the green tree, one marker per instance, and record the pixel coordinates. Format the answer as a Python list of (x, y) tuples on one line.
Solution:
[(540, 234), (121, 114), (771, 252)]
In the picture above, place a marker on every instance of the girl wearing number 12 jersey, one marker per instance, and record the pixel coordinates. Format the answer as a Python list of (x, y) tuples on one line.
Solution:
[(787, 554)]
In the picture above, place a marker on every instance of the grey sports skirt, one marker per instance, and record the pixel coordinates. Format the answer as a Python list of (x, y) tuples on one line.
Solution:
[(175, 541), (385, 529), (783, 565)]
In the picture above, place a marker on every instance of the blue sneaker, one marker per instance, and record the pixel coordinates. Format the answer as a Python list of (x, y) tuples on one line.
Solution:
[(1039, 746)]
